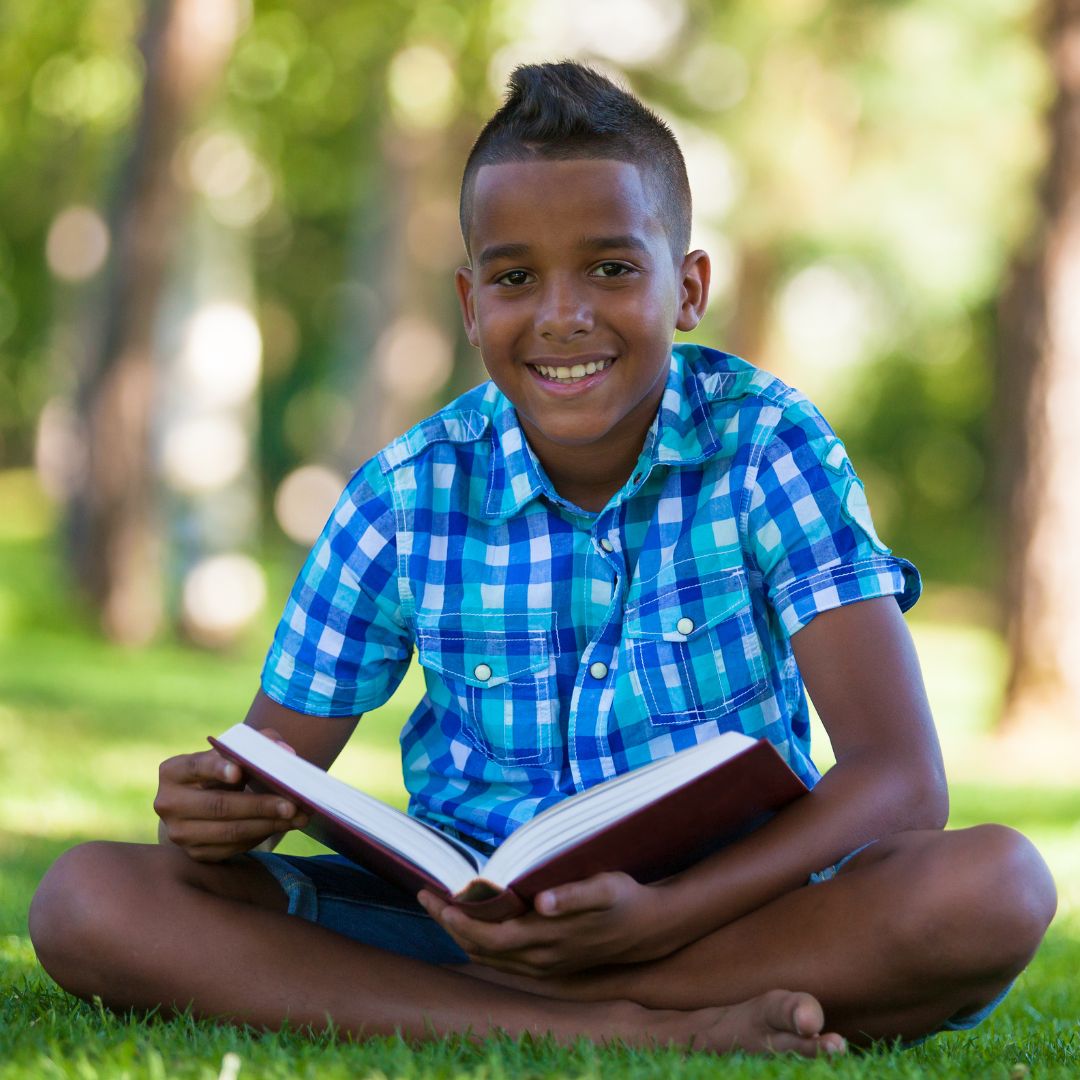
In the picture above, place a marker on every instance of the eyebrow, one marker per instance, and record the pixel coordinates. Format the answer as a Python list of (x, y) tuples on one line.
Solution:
[(502, 251), (606, 243), (589, 243)]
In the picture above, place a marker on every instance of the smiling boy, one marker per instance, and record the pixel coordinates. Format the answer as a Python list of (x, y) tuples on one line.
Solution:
[(612, 550)]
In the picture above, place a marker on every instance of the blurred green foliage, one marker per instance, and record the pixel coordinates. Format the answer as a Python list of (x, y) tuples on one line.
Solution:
[(70, 79), (880, 150)]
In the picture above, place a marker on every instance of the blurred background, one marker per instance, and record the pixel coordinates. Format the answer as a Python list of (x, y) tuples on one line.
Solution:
[(227, 236)]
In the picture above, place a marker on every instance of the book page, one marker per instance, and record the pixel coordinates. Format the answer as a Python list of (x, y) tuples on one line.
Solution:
[(562, 826), (450, 861)]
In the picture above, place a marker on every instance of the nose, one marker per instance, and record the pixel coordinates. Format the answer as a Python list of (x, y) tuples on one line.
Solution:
[(563, 311)]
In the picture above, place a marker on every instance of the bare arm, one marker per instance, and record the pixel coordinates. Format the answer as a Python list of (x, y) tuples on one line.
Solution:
[(317, 739), (862, 673), (203, 804)]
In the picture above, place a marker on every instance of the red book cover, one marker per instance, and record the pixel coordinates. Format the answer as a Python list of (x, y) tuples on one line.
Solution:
[(659, 839)]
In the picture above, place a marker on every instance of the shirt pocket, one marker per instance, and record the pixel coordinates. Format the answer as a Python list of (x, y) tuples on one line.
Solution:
[(692, 651), (499, 672)]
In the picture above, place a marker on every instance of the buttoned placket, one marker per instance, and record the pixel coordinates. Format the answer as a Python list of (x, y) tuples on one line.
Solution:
[(590, 703)]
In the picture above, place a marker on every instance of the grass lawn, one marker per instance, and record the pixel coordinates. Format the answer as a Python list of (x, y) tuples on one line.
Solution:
[(83, 726)]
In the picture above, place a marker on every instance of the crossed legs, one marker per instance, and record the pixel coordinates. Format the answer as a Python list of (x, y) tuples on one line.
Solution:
[(145, 927), (916, 929)]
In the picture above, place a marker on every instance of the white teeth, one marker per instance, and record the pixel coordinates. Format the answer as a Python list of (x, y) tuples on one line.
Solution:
[(575, 373)]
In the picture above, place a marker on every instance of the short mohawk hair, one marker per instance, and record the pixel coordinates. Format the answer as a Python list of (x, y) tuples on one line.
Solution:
[(558, 112)]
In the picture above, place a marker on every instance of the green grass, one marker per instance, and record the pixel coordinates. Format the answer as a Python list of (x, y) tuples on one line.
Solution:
[(84, 724)]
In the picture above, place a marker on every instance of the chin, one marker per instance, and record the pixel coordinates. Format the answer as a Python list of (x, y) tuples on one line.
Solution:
[(572, 436)]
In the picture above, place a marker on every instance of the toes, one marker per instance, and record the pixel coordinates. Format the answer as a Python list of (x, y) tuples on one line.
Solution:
[(814, 1046), (831, 1043), (795, 1013), (797, 1020)]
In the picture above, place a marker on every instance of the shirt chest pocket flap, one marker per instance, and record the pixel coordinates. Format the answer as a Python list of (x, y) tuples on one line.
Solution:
[(692, 651), (499, 671)]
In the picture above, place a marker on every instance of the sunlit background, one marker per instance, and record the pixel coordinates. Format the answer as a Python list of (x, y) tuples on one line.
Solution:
[(227, 236)]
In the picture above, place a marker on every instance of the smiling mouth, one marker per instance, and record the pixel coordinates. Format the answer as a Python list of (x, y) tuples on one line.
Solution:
[(575, 372)]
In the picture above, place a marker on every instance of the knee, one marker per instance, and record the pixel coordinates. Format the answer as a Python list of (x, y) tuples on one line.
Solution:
[(72, 912), (1015, 887), (991, 895)]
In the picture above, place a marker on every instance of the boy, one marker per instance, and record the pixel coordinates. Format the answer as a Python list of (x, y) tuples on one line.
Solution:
[(612, 550)]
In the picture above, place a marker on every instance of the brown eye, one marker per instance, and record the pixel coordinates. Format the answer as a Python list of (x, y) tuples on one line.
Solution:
[(612, 270), (513, 277)]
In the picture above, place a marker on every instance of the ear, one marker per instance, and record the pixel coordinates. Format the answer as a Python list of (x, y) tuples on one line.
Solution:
[(694, 276), (463, 284)]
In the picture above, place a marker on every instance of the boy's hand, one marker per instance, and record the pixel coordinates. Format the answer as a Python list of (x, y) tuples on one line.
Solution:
[(205, 810), (606, 919)]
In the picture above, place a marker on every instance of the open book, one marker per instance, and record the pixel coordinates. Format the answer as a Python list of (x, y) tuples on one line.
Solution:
[(649, 823)]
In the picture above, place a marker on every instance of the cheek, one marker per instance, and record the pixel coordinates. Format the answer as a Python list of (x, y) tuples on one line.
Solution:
[(495, 322)]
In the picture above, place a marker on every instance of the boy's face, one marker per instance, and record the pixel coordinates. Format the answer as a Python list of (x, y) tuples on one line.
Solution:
[(573, 297)]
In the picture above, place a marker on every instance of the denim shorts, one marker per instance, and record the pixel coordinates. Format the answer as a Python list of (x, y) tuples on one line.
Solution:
[(335, 893)]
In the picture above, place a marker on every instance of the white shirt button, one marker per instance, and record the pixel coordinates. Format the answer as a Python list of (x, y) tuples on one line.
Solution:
[(482, 672), (607, 545), (685, 625), (598, 669)]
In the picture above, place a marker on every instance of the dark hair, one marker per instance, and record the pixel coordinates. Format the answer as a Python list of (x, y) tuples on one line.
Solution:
[(557, 112)]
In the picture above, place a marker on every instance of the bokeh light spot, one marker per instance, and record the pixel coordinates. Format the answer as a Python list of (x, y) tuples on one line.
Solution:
[(204, 454), (304, 500), (423, 88), (222, 354), (77, 243), (826, 316), (221, 595), (414, 358), (715, 76), (219, 164)]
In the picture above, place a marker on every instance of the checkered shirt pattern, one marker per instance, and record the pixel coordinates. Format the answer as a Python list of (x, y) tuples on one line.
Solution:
[(560, 647)]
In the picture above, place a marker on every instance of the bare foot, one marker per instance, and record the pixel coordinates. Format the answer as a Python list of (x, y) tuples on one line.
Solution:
[(778, 1022)]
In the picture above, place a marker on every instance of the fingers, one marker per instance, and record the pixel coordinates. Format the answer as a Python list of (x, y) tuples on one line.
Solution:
[(523, 946), (206, 767), (598, 893), (209, 766), (218, 805), (573, 926), (204, 811), (215, 817)]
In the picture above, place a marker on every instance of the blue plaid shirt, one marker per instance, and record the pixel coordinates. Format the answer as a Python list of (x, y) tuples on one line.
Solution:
[(561, 647)]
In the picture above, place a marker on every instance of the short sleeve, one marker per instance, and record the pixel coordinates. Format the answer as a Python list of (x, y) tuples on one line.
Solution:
[(342, 645), (809, 527)]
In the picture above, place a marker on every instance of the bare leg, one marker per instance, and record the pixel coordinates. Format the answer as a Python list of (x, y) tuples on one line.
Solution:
[(145, 927), (917, 928)]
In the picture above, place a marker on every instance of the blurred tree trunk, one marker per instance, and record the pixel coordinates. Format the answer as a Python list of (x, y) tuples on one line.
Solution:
[(114, 533), (1040, 419), (755, 289)]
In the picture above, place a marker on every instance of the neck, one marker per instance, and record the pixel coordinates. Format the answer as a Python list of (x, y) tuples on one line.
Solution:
[(588, 476)]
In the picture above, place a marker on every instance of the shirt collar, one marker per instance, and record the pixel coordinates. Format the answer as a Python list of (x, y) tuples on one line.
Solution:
[(515, 471), (684, 432), (681, 434)]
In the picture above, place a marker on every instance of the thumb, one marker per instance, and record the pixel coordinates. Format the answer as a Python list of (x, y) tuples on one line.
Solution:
[(593, 894)]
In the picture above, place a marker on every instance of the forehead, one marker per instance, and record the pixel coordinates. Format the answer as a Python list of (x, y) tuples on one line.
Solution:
[(602, 196)]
